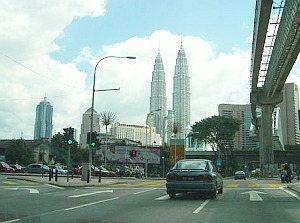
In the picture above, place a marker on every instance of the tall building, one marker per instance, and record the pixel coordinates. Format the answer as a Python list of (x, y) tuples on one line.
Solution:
[(43, 120), (289, 114), (181, 92), (138, 133), (86, 126), (242, 140), (158, 98)]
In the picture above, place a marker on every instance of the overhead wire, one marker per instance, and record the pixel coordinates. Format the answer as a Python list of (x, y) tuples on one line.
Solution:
[(43, 76)]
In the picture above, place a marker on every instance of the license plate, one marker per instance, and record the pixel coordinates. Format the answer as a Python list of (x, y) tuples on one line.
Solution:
[(188, 178)]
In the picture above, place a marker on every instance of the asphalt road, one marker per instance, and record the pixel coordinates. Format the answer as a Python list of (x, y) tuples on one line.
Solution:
[(249, 201)]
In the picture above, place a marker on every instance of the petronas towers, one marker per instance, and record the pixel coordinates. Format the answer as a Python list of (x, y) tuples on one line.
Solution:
[(162, 118)]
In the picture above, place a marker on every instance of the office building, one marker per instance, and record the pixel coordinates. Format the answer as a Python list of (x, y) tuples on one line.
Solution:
[(158, 98), (43, 120), (138, 133), (181, 93), (242, 140), (289, 114), (86, 126)]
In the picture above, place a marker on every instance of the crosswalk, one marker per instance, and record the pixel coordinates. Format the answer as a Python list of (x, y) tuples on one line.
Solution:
[(154, 183), (18, 183), (252, 185), (162, 183)]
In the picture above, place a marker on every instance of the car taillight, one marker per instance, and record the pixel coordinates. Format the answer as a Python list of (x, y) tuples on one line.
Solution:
[(204, 177), (172, 176)]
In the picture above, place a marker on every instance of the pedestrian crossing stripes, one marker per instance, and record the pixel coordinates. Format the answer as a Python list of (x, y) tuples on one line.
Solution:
[(163, 183), (275, 185), (13, 183)]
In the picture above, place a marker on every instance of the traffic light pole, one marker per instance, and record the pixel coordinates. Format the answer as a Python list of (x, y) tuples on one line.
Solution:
[(68, 163), (93, 97)]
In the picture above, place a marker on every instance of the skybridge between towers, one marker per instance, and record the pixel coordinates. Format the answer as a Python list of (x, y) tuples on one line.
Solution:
[(275, 49)]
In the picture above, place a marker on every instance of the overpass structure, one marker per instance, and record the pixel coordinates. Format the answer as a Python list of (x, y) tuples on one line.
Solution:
[(275, 48)]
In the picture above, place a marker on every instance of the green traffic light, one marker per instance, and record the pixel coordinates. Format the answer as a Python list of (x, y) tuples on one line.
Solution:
[(70, 141), (93, 144), (163, 157)]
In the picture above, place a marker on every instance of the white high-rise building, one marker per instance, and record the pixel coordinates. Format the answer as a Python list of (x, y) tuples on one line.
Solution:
[(86, 126), (290, 114), (181, 93), (158, 98), (43, 121), (139, 133)]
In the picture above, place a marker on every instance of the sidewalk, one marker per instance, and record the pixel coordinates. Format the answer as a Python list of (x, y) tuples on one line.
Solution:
[(62, 181), (294, 186)]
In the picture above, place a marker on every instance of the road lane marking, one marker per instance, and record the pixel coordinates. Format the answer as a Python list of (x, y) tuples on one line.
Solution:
[(89, 204), (201, 207), (31, 191), (162, 198), (91, 193), (290, 193), (232, 185), (144, 191), (10, 183), (54, 186), (275, 185), (14, 220), (254, 195), (253, 185)]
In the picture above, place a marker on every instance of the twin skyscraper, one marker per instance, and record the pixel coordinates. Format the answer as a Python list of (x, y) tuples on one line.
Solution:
[(180, 114)]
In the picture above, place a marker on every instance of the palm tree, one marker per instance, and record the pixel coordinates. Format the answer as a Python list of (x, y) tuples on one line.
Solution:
[(107, 118), (175, 128)]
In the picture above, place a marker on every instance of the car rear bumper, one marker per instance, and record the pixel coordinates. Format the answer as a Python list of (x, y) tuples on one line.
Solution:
[(190, 187)]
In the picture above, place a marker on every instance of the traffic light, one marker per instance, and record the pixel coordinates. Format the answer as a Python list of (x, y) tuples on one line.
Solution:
[(163, 154), (94, 139), (69, 135), (98, 143), (130, 154), (133, 153)]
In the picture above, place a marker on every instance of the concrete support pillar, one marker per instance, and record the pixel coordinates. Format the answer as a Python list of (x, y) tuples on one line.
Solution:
[(266, 152)]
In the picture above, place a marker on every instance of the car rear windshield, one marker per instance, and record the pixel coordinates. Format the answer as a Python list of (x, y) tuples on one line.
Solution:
[(198, 165)]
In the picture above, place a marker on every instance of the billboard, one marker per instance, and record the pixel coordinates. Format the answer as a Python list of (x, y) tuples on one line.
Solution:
[(179, 153), (121, 154)]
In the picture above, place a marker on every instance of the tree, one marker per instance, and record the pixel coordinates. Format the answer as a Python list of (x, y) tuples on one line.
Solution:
[(58, 140), (60, 148), (107, 118), (17, 152), (218, 132)]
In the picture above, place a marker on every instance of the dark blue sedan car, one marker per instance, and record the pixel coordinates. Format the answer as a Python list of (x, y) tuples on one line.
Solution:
[(194, 175)]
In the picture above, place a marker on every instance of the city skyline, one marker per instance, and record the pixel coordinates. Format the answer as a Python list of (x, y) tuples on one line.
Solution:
[(43, 120), (181, 100), (158, 96), (58, 56)]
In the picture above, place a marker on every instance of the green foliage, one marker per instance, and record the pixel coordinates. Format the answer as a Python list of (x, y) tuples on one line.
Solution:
[(58, 140), (218, 131), (291, 147), (17, 152), (77, 155)]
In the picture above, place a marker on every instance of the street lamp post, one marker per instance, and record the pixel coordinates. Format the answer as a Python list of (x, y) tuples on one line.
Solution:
[(146, 144), (93, 97)]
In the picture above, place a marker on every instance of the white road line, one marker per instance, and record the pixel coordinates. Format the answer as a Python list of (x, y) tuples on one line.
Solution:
[(162, 198), (144, 191), (92, 193), (54, 186), (89, 204), (201, 207), (14, 220), (289, 192)]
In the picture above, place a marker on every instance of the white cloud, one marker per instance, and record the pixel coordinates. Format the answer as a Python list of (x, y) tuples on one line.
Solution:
[(28, 72)]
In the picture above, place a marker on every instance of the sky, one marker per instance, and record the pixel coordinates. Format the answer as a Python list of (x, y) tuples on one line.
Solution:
[(50, 48)]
